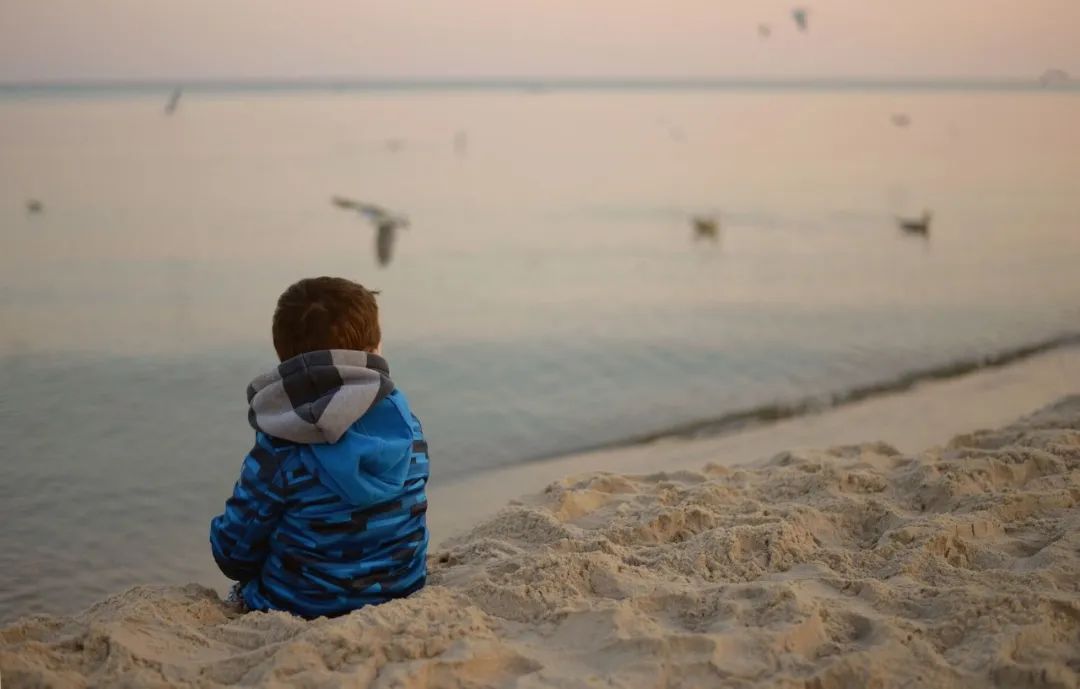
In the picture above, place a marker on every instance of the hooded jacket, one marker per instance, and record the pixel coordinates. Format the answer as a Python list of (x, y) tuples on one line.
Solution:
[(329, 512)]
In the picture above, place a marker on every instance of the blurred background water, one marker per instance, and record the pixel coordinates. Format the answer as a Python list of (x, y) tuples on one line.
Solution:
[(548, 296)]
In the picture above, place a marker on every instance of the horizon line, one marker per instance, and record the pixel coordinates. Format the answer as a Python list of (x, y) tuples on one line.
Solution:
[(537, 83)]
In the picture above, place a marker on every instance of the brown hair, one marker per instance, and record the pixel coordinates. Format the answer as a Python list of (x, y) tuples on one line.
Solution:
[(325, 313)]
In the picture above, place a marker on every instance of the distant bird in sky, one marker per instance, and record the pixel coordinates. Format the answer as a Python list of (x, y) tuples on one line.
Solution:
[(920, 225), (706, 227), (174, 100), (901, 119), (34, 206), (764, 30), (386, 225), (800, 14)]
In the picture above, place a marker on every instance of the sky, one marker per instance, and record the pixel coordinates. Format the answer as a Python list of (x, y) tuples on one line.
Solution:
[(71, 40)]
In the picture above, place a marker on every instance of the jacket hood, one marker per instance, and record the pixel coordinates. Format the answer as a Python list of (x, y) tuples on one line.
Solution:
[(341, 407), (315, 397)]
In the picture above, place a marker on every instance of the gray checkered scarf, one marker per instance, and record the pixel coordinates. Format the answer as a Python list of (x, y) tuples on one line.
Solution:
[(315, 397)]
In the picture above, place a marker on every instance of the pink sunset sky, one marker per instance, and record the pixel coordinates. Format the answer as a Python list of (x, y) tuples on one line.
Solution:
[(222, 39)]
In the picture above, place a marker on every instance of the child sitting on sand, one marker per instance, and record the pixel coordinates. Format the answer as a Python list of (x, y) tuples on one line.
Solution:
[(329, 512)]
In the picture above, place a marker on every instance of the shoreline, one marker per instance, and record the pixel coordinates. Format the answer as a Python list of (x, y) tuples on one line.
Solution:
[(770, 413), (928, 414), (856, 565), (916, 416)]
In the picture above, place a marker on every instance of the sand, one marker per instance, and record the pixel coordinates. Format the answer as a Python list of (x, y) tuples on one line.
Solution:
[(856, 566)]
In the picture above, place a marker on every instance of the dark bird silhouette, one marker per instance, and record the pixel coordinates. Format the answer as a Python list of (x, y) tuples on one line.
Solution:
[(174, 101), (901, 119), (34, 206), (920, 225), (386, 225), (706, 227), (800, 15)]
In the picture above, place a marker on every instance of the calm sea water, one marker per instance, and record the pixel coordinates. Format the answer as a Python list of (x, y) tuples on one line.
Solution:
[(547, 297)]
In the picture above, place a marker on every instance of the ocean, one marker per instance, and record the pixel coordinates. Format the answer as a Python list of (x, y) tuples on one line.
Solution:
[(549, 295)]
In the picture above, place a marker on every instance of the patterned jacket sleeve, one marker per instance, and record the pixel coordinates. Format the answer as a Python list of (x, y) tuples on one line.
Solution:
[(239, 538)]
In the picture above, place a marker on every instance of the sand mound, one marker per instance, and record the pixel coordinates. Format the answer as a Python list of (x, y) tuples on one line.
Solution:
[(850, 567)]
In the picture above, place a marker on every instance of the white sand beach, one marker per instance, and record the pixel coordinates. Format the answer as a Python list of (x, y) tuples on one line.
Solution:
[(862, 565)]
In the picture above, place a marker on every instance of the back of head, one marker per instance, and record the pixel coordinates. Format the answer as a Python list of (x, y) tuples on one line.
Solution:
[(325, 313)]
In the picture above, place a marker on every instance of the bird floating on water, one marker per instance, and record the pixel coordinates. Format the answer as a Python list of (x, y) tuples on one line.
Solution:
[(386, 225), (800, 14), (920, 225), (705, 227), (34, 206)]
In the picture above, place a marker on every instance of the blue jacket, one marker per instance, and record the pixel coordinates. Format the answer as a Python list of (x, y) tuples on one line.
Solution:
[(329, 512)]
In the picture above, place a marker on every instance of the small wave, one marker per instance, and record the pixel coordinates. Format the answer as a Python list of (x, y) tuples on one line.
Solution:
[(778, 411)]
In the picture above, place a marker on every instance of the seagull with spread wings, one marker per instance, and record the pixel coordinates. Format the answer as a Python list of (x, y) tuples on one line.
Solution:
[(386, 225), (800, 15)]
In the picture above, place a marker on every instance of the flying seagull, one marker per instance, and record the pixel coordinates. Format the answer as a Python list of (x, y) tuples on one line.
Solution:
[(174, 100), (799, 14), (386, 225)]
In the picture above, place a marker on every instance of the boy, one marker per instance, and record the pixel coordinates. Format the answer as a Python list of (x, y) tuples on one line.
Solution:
[(329, 512)]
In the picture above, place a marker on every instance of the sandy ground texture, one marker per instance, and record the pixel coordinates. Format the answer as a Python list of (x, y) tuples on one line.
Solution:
[(857, 566)]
